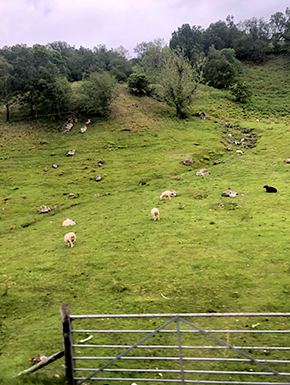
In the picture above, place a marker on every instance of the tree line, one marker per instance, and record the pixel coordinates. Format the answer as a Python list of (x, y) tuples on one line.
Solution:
[(56, 78)]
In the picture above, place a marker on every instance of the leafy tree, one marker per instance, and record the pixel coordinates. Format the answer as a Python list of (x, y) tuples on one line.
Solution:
[(241, 91), (97, 93), (219, 35), (138, 84), (189, 40), (7, 86), (153, 61), (221, 68), (178, 83)]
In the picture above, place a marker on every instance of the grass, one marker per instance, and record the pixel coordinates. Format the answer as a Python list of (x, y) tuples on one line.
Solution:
[(207, 253)]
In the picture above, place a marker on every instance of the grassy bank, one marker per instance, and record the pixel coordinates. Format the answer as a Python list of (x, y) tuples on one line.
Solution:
[(208, 253)]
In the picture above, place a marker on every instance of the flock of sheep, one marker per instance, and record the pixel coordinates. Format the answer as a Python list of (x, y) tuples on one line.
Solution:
[(168, 194), (70, 238)]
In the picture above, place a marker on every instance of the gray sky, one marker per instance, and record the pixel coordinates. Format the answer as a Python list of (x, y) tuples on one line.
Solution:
[(117, 22)]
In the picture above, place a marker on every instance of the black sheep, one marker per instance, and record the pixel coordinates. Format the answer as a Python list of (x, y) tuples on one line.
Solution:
[(270, 189)]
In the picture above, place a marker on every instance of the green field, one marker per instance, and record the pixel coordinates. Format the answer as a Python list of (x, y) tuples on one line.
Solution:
[(208, 253)]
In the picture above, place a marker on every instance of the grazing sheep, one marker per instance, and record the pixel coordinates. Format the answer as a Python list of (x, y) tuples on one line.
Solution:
[(68, 222), (84, 129), (89, 121), (270, 189), (168, 194), (155, 214), (239, 152), (69, 238)]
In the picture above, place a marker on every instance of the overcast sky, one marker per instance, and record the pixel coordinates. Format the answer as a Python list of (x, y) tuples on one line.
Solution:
[(89, 23)]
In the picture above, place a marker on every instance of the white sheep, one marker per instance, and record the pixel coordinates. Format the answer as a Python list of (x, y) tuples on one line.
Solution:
[(239, 152), (155, 214), (68, 222), (89, 121), (84, 129), (168, 194), (69, 238)]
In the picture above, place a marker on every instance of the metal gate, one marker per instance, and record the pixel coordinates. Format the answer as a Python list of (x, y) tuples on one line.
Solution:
[(201, 348)]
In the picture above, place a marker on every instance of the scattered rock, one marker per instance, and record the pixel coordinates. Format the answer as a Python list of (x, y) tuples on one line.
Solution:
[(229, 125), (202, 115), (37, 358), (88, 121), (188, 162), (229, 149), (45, 169), (287, 160), (202, 172), (229, 193), (55, 165), (43, 209), (218, 161), (71, 195), (71, 153), (177, 178), (98, 178)]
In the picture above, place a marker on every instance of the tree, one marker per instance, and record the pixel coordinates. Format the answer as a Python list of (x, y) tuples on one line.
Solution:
[(221, 68), (189, 40), (178, 83), (97, 93), (138, 84), (7, 86)]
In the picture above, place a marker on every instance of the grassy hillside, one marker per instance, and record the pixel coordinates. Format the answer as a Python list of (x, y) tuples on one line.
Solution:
[(208, 253)]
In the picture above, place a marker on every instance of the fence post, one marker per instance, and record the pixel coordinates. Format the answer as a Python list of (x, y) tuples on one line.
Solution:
[(65, 312)]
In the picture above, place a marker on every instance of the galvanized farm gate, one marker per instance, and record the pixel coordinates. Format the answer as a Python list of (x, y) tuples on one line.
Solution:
[(253, 349)]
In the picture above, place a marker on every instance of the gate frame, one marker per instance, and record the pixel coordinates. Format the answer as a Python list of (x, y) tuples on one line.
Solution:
[(177, 318)]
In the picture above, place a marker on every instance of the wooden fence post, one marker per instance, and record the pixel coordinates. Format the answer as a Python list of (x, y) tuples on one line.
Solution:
[(65, 311)]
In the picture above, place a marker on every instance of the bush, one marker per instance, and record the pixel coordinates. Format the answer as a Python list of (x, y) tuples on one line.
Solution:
[(241, 91), (138, 84)]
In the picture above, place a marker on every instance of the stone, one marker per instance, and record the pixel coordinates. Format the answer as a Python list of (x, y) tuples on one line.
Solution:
[(43, 209), (188, 162), (229, 193), (202, 172), (98, 178), (71, 153)]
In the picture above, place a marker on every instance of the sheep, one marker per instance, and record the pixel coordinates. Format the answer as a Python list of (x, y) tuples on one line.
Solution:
[(270, 189), (89, 121), (68, 222), (84, 129), (168, 194), (155, 214), (69, 238), (239, 152)]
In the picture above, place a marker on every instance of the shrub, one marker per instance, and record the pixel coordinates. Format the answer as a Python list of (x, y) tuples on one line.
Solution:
[(138, 84), (241, 91)]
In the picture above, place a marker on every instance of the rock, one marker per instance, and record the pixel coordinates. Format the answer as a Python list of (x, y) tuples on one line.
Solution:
[(202, 115), (68, 222), (287, 160), (177, 178), (229, 149), (98, 178), (45, 169), (71, 195), (188, 162), (55, 165), (218, 161), (229, 193), (71, 153), (43, 209), (202, 172)]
